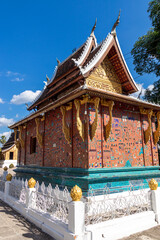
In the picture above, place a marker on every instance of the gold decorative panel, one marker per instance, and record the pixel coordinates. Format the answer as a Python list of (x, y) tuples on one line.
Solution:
[(156, 134), (104, 77), (66, 129)]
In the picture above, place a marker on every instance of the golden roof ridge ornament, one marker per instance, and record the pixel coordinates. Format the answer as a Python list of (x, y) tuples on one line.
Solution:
[(47, 78), (94, 27), (58, 62), (113, 31)]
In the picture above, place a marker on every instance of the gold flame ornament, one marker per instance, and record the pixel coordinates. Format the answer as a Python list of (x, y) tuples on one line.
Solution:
[(5, 168), (31, 183), (9, 177), (76, 193), (153, 184)]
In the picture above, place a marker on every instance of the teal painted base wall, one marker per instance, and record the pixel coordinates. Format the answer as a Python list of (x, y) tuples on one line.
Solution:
[(86, 178)]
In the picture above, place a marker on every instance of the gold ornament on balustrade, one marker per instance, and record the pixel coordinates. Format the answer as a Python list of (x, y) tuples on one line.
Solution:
[(9, 177), (5, 168), (153, 184), (31, 183), (76, 193)]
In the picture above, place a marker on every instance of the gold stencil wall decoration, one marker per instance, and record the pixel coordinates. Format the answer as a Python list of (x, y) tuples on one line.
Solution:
[(147, 132), (108, 126), (39, 136), (80, 125), (15, 138), (156, 134), (95, 122), (20, 128), (65, 128)]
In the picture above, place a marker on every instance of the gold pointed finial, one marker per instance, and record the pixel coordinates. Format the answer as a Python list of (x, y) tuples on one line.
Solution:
[(47, 78), (76, 193), (94, 27), (113, 31), (9, 177), (31, 183), (58, 61), (153, 184)]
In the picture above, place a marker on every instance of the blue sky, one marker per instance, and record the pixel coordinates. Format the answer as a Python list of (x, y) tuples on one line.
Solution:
[(35, 33)]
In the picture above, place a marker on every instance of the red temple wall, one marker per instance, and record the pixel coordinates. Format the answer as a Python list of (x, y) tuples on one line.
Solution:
[(57, 151), (125, 146)]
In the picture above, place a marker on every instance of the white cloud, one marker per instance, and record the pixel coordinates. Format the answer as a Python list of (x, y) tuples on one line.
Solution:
[(17, 79), (24, 97), (6, 134), (142, 90), (10, 74), (5, 121), (150, 87), (17, 115), (1, 101)]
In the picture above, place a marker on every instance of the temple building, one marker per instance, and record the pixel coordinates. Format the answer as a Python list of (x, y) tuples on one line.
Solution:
[(86, 129), (10, 152)]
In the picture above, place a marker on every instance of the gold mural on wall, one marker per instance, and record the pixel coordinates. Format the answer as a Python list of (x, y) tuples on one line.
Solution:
[(39, 136), (148, 131), (108, 126), (66, 129), (156, 134), (20, 128), (15, 138), (95, 122), (80, 125), (104, 77)]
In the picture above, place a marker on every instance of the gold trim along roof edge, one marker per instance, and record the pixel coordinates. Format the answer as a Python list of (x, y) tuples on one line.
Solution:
[(80, 91)]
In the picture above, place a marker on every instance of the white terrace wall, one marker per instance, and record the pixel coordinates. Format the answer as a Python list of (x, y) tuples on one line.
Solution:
[(55, 213)]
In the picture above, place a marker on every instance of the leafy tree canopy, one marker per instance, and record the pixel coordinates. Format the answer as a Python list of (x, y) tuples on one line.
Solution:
[(146, 50), (3, 140)]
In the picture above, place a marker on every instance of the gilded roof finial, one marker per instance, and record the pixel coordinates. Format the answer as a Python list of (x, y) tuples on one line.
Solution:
[(47, 78), (113, 31), (58, 61), (94, 27)]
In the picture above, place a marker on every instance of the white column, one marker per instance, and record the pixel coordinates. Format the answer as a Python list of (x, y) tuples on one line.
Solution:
[(155, 203), (6, 190), (29, 197), (5, 173), (76, 221)]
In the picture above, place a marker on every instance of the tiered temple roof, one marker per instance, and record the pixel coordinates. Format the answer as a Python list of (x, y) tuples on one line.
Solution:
[(72, 77)]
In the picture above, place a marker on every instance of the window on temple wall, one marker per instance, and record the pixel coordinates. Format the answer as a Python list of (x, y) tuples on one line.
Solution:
[(32, 145), (11, 155)]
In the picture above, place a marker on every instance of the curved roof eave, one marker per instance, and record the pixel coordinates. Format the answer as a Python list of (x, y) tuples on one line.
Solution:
[(135, 85)]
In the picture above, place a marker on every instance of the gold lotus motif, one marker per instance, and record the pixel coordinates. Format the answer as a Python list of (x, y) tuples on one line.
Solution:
[(9, 177), (5, 168), (153, 184), (76, 193), (31, 183)]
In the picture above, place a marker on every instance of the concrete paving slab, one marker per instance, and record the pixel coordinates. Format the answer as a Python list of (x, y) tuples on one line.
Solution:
[(13, 226)]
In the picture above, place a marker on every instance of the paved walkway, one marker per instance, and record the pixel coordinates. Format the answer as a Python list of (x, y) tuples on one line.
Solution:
[(15, 227), (151, 234)]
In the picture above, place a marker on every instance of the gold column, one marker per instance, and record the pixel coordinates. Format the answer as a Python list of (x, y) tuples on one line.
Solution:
[(108, 126), (39, 136), (65, 128), (156, 134), (20, 128)]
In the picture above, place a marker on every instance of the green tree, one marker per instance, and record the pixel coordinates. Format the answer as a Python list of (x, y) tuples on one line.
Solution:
[(146, 51), (3, 139)]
